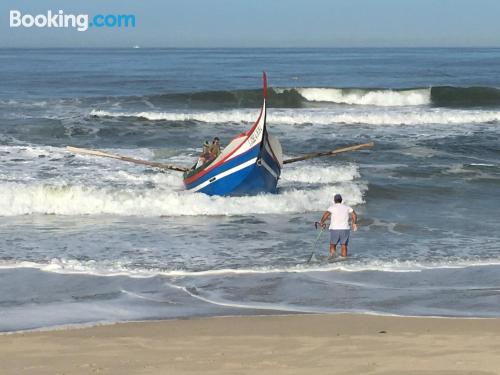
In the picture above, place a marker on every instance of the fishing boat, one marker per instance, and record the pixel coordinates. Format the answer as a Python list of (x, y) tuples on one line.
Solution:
[(250, 164)]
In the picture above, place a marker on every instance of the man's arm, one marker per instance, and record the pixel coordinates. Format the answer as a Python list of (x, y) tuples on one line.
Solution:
[(354, 219), (324, 218)]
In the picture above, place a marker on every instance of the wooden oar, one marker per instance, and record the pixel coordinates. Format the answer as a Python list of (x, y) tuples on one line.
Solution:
[(328, 153), (154, 164)]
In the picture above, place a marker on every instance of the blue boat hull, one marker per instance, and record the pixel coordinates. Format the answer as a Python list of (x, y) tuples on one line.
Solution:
[(249, 165), (260, 174)]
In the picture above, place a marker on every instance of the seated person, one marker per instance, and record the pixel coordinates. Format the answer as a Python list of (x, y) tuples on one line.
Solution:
[(205, 155), (215, 148)]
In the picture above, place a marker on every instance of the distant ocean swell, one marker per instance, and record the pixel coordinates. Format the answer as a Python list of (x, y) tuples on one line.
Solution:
[(440, 96), (298, 97)]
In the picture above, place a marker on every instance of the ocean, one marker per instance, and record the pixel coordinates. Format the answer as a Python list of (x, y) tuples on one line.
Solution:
[(87, 240)]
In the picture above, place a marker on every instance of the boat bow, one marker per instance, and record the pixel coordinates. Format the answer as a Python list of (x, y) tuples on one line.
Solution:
[(234, 171)]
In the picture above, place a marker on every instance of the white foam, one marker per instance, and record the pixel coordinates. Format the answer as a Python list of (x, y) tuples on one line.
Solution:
[(214, 117), (117, 268), (322, 116), (59, 170), (482, 165), (35, 198), (368, 97), (96, 186), (320, 174), (30, 151)]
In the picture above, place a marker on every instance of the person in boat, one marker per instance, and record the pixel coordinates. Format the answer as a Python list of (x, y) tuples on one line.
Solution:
[(215, 148), (339, 225), (205, 155)]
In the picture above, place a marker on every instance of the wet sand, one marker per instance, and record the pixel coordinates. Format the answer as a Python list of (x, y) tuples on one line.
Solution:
[(298, 344)]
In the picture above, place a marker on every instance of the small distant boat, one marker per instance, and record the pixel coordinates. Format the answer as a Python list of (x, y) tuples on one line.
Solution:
[(136, 46), (250, 164)]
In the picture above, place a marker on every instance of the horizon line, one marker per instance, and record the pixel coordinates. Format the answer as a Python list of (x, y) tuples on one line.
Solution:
[(256, 47)]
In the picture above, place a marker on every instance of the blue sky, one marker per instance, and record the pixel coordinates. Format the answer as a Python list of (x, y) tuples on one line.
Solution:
[(271, 23)]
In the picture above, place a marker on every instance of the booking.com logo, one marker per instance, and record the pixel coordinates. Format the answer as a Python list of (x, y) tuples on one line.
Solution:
[(80, 22)]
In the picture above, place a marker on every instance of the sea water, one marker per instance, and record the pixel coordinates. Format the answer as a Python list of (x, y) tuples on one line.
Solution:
[(85, 240)]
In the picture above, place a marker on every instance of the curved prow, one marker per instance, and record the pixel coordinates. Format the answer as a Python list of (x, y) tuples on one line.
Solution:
[(250, 164)]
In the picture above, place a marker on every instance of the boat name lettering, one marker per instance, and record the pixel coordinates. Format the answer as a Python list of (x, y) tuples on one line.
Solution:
[(255, 135)]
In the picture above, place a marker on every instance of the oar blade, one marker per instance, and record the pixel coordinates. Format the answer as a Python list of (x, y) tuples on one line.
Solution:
[(328, 153), (86, 151)]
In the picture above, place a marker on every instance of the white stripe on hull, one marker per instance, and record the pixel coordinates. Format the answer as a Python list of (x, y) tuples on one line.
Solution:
[(224, 174)]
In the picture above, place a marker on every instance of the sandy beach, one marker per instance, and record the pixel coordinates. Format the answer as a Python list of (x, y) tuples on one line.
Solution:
[(308, 344)]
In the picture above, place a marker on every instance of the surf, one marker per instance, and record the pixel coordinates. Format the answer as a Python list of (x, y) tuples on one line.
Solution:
[(160, 194), (318, 116), (374, 97), (300, 266), (303, 97)]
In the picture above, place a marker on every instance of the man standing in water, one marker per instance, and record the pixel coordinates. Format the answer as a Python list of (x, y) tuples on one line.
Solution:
[(339, 225)]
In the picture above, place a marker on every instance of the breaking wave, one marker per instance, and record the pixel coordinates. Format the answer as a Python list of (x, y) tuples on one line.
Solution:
[(322, 175), (319, 116), (384, 98), (439, 96), (295, 97), (21, 198), (289, 97)]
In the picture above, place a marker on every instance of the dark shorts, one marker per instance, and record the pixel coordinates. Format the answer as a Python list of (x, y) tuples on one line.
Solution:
[(339, 235)]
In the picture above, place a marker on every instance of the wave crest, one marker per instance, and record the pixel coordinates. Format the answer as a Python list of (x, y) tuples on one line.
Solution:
[(296, 97), (384, 98), (319, 116), (25, 199)]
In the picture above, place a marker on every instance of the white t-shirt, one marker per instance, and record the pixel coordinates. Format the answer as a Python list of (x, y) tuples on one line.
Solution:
[(340, 216)]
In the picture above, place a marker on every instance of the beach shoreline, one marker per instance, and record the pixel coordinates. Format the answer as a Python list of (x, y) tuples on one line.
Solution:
[(86, 239), (313, 344)]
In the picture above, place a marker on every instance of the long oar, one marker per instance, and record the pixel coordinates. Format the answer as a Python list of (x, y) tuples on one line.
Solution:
[(154, 164), (328, 153)]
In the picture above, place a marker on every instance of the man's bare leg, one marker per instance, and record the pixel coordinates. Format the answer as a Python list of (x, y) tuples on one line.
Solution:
[(343, 250), (333, 249)]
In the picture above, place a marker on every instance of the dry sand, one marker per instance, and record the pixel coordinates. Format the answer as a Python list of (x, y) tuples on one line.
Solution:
[(296, 344)]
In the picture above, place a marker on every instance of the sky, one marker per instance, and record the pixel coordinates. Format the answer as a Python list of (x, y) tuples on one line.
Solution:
[(260, 23)]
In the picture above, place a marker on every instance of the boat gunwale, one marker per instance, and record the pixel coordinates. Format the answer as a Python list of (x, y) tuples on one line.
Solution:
[(189, 180)]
